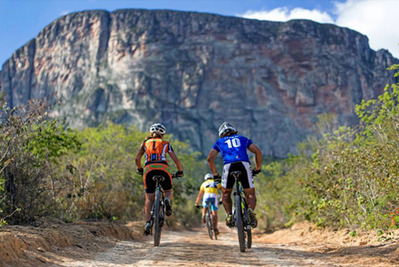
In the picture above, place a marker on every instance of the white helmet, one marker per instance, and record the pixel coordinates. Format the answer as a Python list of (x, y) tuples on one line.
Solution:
[(226, 128), (208, 176), (158, 128)]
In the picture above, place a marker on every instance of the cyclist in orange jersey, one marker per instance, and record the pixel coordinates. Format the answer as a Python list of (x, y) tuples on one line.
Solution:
[(155, 149)]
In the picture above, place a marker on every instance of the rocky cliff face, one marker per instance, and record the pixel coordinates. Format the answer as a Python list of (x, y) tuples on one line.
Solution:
[(193, 71)]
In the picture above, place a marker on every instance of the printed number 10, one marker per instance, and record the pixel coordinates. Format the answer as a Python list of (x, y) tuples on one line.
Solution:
[(235, 142)]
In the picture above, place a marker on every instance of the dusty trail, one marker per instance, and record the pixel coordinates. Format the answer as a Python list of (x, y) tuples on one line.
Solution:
[(194, 248), (105, 244)]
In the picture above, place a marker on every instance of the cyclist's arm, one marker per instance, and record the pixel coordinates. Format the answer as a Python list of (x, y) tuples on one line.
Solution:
[(140, 153), (258, 156), (200, 194), (211, 160), (176, 160)]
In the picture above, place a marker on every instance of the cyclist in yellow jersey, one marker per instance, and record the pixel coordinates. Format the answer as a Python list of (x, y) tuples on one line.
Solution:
[(209, 191)]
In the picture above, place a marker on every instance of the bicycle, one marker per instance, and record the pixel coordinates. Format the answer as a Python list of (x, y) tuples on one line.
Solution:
[(158, 209), (210, 224), (240, 214)]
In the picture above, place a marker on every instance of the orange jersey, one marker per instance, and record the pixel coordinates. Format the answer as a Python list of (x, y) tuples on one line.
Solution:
[(155, 150)]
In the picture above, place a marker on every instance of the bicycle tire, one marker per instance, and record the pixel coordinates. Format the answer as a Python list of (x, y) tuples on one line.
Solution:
[(157, 219), (214, 232), (239, 224), (213, 226), (209, 226), (249, 237), (248, 226)]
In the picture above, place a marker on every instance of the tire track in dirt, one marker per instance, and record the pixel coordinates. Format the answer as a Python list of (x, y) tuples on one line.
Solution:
[(194, 248)]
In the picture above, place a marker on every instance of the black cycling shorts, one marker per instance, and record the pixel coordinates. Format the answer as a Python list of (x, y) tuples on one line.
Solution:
[(246, 178), (150, 184)]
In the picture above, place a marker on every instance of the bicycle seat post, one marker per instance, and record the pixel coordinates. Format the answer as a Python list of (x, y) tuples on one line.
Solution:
[(236, 174)]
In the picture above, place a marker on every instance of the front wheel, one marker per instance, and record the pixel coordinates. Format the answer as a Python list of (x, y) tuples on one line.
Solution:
[(157, 219), (239, 224)]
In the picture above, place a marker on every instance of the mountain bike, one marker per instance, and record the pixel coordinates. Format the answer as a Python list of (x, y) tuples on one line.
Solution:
[(240, 214), (158, 209), (210, 224)]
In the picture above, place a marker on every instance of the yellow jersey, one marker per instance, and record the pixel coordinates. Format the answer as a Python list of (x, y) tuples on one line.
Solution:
[(210, 188)]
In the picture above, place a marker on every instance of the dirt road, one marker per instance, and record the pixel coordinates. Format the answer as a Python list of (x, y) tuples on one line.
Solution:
[(194, 248), (106, 244)]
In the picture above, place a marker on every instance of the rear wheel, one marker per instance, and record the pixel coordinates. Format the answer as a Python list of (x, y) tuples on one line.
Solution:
[(248, 228), (249, 237), (157, 219), (213, 225), (239, 224), (209, 225)]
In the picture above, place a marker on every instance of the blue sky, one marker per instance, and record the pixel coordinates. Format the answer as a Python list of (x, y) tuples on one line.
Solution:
[(22, 20)]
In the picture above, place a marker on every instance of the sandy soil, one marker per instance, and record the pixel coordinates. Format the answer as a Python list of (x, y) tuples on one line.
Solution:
[(104, 244)]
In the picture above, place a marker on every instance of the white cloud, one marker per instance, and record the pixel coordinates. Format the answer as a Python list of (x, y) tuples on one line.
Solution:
[(284, 14), (378, 19)]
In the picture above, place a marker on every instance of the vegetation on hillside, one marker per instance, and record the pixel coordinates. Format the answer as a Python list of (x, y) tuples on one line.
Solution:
[(347, 177), (30, 145), (47, 169)]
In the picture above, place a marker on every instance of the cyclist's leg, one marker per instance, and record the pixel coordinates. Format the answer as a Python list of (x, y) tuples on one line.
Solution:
[(203, 214), (227, 188), (251, 197), (167, 184), (204, 209), (167, 188), (226, 198), (168, 199), (251, 200), (214, 207), (168, 194), (215, 218), (149, 186), (149, 201), (247, 182)]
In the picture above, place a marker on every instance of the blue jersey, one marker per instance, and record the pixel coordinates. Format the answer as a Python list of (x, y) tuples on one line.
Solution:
[(233, 148)]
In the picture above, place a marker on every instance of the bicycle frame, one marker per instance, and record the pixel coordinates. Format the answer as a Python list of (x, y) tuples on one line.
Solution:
[(158, 209), (240, 214), (210, 221)]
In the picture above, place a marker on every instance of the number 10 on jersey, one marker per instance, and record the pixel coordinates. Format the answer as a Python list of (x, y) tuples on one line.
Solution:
[(235, 142)]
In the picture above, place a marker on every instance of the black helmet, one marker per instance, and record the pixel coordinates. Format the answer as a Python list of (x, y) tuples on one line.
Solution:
[(158, 128), (227, 128)]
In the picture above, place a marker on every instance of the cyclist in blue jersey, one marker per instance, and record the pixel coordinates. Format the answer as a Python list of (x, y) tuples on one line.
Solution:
[(233, 148)]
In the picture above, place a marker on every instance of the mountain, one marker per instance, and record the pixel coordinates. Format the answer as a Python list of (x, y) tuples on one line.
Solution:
[(192, 71)]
